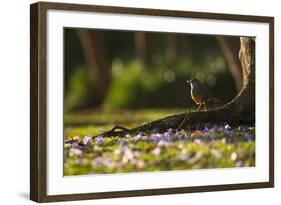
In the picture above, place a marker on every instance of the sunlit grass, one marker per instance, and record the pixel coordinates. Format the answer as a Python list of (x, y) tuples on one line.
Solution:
[(94, 122)]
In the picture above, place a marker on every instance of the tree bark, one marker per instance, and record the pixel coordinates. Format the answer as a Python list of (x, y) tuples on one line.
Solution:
[(230, 49), (240, 110), (173, 47), (93, 48), (143, 46)]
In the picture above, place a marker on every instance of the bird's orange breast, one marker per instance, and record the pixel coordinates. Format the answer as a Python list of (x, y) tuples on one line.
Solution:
[(196, 98)]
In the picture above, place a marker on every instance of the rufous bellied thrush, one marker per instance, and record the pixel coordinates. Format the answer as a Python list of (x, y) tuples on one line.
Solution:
[(199, 93)]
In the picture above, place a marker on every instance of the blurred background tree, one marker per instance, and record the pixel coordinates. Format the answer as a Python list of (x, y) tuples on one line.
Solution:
[(110, 70)]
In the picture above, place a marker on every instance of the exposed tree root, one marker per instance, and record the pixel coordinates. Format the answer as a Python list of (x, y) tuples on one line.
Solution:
[(191, 119), (113, 132)]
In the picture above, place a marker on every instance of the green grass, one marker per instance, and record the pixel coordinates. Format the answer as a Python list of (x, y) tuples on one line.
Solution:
[(95, 122)]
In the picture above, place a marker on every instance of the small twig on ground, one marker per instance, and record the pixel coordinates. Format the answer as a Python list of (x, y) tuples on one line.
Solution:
[(185, 118)]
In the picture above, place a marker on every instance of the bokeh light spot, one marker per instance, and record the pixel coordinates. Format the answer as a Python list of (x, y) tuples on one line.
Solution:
[(169, 76)]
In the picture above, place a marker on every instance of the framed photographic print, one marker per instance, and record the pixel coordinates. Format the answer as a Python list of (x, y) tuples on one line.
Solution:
[(134, 102)]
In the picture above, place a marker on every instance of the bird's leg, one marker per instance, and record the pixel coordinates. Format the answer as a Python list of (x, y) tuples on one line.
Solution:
[(185, 118), (205, 107), (198, 109)]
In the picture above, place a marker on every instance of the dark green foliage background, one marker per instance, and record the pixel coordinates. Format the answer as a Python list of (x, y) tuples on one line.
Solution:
[(135, 87)]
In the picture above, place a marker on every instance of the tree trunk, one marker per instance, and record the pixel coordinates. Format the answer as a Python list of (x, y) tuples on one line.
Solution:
[(143, 46), (230, 49), (93, 48), (173, 47), (240, 110)]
